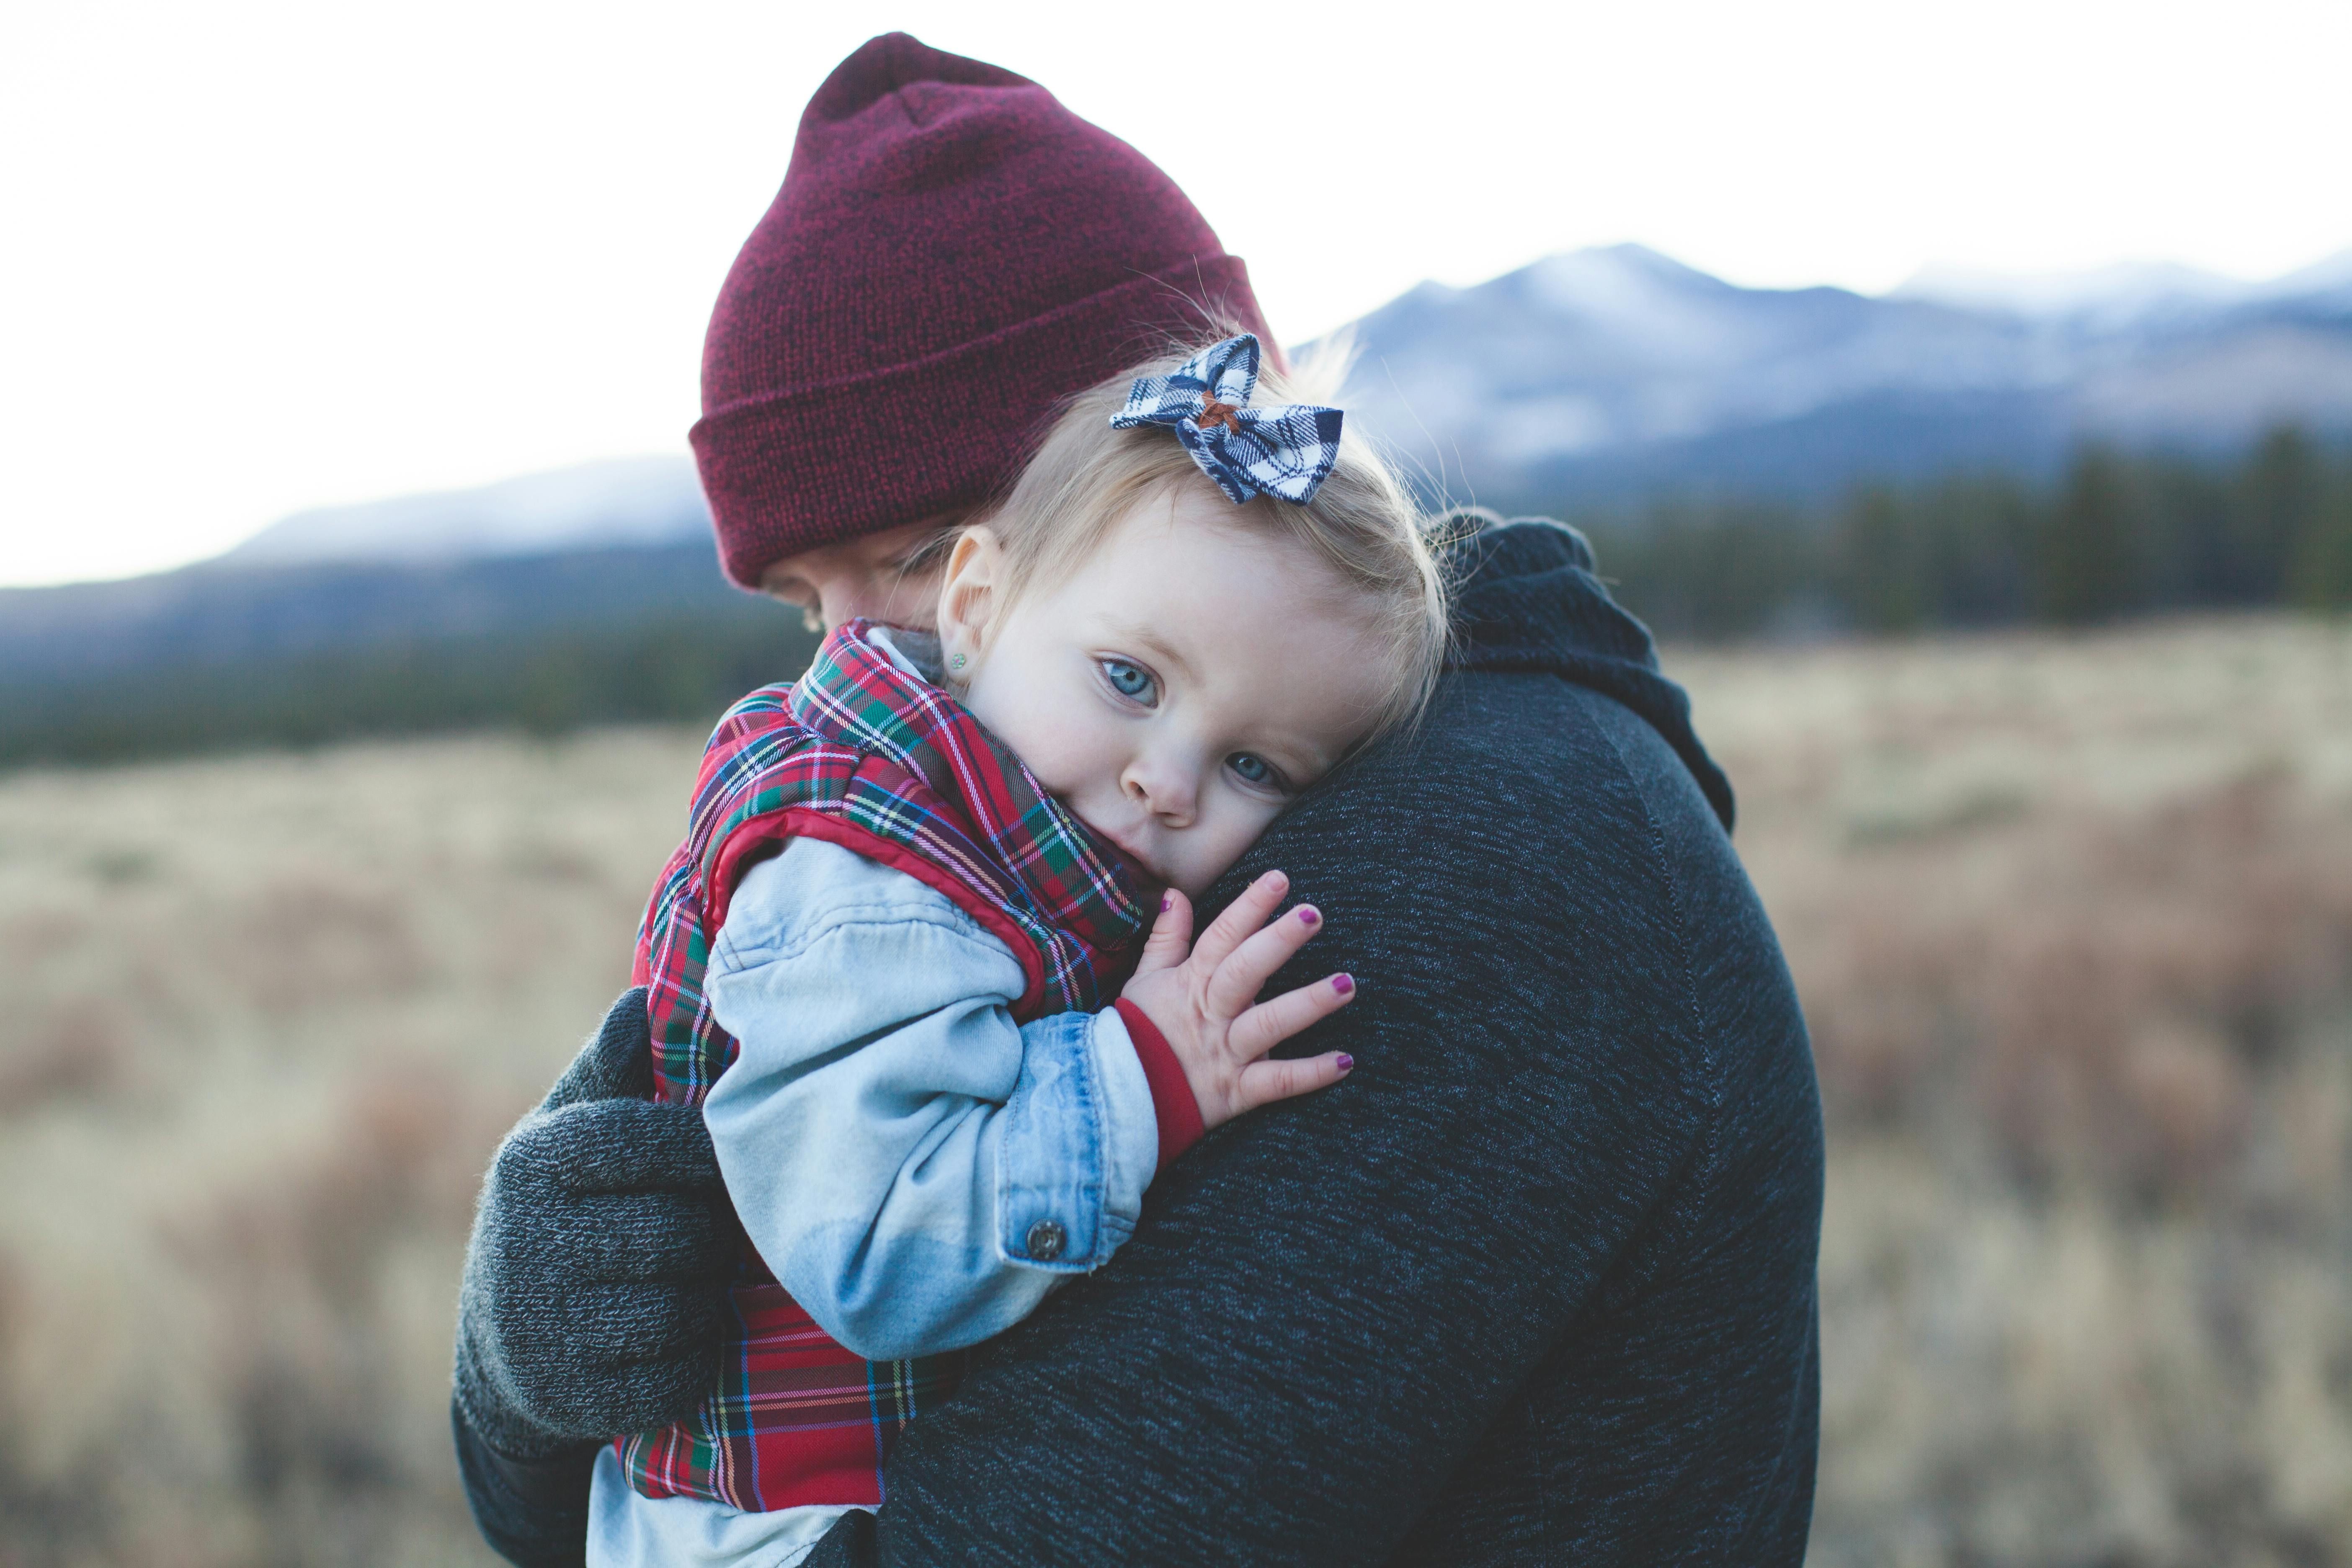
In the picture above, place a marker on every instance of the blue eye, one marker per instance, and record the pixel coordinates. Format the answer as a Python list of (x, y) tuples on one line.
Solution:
[(1131, 681), (1254, 770)]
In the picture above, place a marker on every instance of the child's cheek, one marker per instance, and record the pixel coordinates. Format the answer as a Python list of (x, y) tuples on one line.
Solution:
[(1227, 839), (1068, 752), (1041, 723)]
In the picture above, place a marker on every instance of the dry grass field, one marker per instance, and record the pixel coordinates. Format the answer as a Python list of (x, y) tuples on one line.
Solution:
[(2072, 920), (2073, 925)]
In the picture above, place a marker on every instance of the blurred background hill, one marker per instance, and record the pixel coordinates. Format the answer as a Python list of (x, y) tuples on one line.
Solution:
[(1969, 450), (622, 503), (1618, 373)]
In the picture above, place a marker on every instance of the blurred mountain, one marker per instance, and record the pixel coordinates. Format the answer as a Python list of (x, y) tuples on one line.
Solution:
[(226, 612), (625, 501), (1619, 374), (2127, 294), (2121, 295), (1581, 382)]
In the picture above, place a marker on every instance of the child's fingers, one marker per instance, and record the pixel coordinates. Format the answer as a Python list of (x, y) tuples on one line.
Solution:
[(1234, 983), (1269, 1023), (1171, 934), (1243, 915), (1262, 1083)]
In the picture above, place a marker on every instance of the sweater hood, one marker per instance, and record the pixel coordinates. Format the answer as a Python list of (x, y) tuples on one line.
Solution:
[(1526, 599)]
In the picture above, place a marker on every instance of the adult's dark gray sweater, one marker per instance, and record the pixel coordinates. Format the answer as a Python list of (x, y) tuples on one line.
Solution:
[(1535, 1284)]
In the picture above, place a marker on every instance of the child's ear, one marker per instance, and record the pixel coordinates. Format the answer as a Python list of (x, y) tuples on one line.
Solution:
[(967, 593)]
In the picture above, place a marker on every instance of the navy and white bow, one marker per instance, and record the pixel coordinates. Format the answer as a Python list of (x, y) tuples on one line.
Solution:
[(1286, 452)]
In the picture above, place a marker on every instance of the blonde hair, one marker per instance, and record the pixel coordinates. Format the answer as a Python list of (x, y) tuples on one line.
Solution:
[(1362, 524)]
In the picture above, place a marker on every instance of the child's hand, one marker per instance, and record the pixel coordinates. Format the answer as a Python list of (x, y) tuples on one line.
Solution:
[(1203, 1003)]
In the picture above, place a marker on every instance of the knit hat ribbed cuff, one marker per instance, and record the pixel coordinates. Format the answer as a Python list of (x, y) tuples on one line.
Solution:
[(796, 471)]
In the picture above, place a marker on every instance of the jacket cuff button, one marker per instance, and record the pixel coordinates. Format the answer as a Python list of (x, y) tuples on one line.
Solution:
[(1045, 1240)]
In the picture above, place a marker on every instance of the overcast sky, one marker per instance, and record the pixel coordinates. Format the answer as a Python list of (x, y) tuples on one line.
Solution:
[(259, 257)]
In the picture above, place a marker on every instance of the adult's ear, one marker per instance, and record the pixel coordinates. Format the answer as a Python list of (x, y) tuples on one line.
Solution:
[(970, 597)]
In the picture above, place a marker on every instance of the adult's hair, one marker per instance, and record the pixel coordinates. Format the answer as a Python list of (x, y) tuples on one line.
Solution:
[(953, 254)]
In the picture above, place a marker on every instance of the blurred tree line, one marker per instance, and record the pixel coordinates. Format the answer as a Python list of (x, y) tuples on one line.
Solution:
[(214, 657), (2118, 534), (676, 668)]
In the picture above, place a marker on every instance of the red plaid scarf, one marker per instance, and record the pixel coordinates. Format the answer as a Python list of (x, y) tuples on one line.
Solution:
[(862, 755)]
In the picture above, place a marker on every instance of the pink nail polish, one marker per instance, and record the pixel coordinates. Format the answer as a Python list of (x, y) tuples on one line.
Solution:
[(1167, 902), (1346, 1061), (1343, 983), (1309, 915)]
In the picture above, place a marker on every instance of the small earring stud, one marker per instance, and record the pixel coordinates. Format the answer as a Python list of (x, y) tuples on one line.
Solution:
[(956, 663)]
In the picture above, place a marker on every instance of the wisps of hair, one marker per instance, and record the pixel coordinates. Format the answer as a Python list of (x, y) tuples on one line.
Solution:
[(1363, 523)]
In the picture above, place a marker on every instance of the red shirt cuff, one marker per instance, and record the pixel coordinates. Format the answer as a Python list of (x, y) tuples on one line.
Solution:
[(1173, 1106)]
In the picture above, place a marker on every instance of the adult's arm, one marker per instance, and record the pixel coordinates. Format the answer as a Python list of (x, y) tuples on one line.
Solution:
[(595, 1284), (1330, 1309)]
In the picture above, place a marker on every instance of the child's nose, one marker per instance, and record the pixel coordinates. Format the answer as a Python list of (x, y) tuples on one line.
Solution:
[(1166, 791)]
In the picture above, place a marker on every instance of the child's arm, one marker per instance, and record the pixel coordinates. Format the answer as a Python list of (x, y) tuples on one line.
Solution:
[(919, 1170)]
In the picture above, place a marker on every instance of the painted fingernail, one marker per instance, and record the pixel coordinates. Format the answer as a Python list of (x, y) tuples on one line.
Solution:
[(1343, 983), (1346, 1061), (1167, 902), (1308, 914)]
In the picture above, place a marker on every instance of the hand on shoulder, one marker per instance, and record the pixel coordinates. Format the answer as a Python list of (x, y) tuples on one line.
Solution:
[(1202, 998)]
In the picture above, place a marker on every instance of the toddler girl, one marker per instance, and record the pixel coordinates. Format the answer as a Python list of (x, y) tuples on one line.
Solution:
[(881, 960)]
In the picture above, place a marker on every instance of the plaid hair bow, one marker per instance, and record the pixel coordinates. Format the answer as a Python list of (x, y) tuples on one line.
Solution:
[(1286, 452)]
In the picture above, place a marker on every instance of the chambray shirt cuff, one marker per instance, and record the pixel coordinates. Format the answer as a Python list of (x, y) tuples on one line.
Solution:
[(1079, 1148)]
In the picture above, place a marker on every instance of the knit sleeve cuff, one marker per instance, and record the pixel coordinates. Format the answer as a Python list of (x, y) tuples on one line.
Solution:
[(1173, 1106)]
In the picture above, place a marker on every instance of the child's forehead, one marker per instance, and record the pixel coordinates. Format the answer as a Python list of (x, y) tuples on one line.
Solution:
[(1159, 576)]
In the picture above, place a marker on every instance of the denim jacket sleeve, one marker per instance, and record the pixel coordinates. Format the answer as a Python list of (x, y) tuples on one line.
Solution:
[(919, 1170)]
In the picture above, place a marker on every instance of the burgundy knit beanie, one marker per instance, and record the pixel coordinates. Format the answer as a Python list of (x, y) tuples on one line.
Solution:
[(952, 252)]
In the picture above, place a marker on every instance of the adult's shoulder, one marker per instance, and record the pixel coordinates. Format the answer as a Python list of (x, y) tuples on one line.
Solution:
[(1527, 598), (1528, 799), (1554, 735), (1547, 856)]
